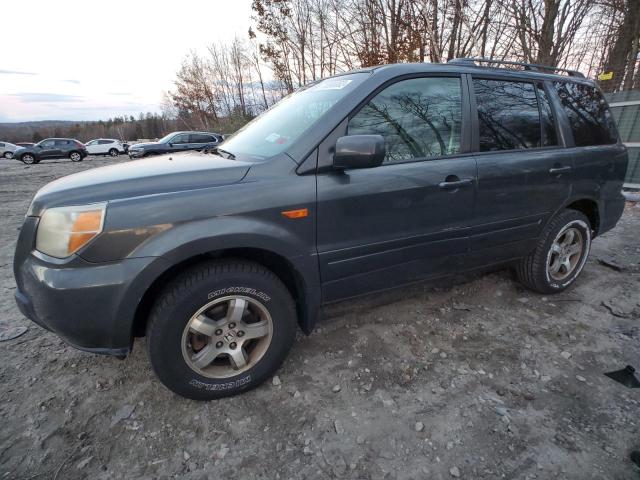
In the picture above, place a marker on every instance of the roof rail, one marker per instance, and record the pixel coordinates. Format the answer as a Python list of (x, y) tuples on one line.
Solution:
[(527, 66)]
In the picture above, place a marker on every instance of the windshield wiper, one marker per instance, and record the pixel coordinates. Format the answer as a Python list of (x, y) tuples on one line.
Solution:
[(223, 153)]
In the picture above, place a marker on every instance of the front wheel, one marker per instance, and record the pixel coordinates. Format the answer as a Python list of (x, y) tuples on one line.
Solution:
[(560, 255), (220, 328), (75, 157)]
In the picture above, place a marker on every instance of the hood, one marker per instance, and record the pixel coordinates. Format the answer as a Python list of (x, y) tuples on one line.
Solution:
[(162, 174), (143, 145)]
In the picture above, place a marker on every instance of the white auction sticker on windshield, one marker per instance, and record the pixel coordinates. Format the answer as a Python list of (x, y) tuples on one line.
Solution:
[(332, 84)]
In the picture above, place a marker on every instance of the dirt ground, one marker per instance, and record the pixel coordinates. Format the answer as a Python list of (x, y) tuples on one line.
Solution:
[(475, 378)]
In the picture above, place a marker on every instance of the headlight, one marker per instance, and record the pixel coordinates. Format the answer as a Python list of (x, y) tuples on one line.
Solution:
[(65, 230)]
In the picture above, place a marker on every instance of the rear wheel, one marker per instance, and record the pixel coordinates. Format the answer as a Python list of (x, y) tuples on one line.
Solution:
[(28, 159), (8, 155), (75, 157), (220, 328), (113, 152), (560, 256)]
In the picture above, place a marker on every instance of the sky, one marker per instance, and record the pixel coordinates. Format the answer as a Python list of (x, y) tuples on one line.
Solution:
[(89, 60)]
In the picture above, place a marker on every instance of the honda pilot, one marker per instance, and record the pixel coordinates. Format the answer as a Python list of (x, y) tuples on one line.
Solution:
[(357, 183)]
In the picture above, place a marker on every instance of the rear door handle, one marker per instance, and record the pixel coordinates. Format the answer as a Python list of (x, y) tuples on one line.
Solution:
[(559, 170), (451, 185)]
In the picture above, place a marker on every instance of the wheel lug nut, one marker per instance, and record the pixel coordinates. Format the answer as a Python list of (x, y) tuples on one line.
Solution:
[(219, 345), (240, 333), (233, 345), (232, 325), (218, 331)]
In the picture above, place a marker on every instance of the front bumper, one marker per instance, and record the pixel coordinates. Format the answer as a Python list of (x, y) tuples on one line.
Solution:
[(88, 305), (136, 153)]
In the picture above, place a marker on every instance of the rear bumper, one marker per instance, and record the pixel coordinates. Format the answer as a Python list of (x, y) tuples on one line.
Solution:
[(88, 305)]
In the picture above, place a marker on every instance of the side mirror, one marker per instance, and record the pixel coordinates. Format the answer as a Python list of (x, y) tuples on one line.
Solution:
[(359, 151)]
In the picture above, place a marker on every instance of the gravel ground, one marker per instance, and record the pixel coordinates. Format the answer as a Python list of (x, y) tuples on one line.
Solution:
[(473, 378)]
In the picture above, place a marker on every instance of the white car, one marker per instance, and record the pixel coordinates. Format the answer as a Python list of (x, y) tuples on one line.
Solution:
[(105, 146), (7, 149)]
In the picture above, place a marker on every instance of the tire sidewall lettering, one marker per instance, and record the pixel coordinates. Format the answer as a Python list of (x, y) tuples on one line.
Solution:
[(238, 383), (239, 290)]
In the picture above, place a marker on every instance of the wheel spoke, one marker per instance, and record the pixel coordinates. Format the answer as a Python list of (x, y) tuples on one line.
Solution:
[(568, 237), (255, 330), (555, 265), (203, 324), (574, 249), (567, 265), (205, 356), (236, 310), (239, 358), (556, 248)]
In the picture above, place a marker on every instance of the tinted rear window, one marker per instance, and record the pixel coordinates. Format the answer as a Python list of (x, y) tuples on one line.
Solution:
[(590, 119), (508, 115)]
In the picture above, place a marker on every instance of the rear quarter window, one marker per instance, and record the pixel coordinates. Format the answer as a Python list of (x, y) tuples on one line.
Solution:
[(589, 117)]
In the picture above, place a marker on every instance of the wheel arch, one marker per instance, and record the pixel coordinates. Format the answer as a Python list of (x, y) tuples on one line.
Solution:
[(589, 207), (307, 303)]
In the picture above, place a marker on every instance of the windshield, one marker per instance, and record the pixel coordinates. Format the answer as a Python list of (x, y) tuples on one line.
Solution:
[(277, 128), (166, 138)]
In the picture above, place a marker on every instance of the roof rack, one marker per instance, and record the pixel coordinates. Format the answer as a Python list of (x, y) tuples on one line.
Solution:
[(527, 66)]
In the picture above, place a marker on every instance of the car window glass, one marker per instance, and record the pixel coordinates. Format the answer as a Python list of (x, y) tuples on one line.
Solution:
[(547, 120), (178, 139), (61, 143), (418, 118), (201, 138), (48, 144), (508, 115), (590, 119), (105, 142)]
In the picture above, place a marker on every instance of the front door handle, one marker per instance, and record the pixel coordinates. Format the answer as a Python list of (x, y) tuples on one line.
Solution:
[(457, 183), (559, 170)]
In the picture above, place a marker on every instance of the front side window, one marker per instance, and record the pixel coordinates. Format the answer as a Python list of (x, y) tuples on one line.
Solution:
[(47, 144), (590, 119), (508, 115), (180, 139), (418, 118)]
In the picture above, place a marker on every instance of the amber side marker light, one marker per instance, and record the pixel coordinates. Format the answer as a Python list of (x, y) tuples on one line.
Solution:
[(300, 213)]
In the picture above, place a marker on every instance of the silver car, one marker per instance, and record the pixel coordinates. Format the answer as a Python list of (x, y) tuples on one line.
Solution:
[(7, 149)]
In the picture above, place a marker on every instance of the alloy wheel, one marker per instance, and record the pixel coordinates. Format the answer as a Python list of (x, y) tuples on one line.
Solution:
[(227, 336), (566, 252)]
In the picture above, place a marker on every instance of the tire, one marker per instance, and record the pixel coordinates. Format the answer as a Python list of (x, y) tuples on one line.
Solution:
[(552, 267), (114, 152), (197, 366), (75, 157), (8, 155), (28, 159)]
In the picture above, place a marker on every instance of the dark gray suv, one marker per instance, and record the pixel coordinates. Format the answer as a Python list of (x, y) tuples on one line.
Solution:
[(357, 183), (176, 142), (52, 148)]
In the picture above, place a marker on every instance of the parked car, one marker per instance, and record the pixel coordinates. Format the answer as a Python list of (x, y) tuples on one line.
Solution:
[(358, 183), (50, 148), (7, 149), (105, 146), (176, 142)]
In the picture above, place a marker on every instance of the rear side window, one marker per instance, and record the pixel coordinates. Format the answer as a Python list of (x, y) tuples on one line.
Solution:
[(590, 119), (508, 115), (418, 118), (200, 138), (62, 143), (105, 142)]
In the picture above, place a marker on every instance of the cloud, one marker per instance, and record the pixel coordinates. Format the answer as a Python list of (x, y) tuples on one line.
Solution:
[(47, 97), (15, 72)]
